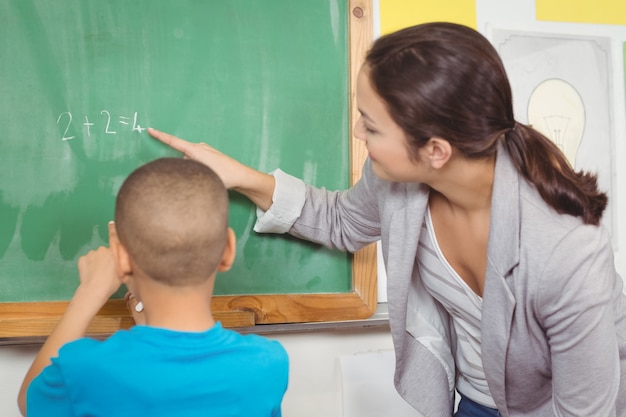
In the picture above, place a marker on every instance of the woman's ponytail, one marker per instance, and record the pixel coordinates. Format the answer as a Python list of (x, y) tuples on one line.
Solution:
[(543, 164)]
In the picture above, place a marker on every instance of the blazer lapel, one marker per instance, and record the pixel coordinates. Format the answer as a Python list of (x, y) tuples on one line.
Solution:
[(405, 226), (503, 257), (416, 367)]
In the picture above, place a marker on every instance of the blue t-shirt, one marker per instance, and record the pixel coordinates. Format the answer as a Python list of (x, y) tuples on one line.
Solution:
[(147, 371)]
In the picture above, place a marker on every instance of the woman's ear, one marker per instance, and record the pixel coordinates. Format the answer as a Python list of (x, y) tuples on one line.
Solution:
[(123, 266), (229, 252), (439, 152)]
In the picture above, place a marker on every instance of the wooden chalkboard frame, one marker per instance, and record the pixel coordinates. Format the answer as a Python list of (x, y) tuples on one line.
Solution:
[(31, 319)]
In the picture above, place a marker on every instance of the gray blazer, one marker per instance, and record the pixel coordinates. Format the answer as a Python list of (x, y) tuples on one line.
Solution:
[(554, 314)]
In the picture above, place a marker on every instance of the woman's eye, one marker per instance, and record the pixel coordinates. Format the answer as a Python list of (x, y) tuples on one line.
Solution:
[(369, 130)]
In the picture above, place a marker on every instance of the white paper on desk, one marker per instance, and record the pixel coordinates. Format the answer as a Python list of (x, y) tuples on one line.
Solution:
[(367, 386)]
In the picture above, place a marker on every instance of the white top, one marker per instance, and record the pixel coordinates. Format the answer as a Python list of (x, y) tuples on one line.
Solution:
[(465, 309)]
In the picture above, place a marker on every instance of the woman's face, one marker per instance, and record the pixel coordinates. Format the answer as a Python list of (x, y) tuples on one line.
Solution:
[(385, 141)]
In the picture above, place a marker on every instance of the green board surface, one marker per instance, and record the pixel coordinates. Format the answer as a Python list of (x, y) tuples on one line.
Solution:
[(265, 81)]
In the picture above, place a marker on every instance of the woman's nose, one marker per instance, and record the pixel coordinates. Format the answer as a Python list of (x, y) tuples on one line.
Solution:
[(359, 129)]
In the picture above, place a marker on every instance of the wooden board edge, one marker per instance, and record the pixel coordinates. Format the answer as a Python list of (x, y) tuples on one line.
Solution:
[(360, 40), (40, 318)]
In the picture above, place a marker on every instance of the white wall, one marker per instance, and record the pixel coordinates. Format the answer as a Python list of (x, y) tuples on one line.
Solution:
[(14, 362), (315, 384)]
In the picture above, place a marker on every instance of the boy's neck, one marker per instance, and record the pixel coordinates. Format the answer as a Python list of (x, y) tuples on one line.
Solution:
[(180, 309)]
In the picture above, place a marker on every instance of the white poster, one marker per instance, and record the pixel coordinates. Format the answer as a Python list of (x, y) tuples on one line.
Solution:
[(562, 87)]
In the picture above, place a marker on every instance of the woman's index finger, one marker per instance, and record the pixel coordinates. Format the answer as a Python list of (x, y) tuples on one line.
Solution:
[(171, 140)]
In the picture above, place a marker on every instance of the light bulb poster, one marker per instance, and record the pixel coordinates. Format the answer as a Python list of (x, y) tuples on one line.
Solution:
[(562, 87)]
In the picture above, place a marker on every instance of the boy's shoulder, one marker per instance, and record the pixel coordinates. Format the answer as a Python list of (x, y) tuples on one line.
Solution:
[(153, 353), (141, 340), (214, 366), (252, 342)]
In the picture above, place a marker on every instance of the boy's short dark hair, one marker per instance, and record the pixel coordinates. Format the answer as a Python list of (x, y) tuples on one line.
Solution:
[(171, 216)]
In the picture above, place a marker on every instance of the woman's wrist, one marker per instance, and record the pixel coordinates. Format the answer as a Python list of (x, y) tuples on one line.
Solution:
[(258, 187)]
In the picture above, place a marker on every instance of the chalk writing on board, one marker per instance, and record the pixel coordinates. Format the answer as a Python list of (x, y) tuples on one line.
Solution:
[(105, 122)]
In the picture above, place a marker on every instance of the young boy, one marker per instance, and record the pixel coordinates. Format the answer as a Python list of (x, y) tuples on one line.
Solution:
[(169, 239)]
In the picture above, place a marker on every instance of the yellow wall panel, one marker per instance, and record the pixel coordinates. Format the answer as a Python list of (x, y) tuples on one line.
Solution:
[(398, 14), (611, 12)]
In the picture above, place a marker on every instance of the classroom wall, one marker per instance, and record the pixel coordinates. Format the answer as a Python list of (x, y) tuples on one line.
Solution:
[(315, 386)]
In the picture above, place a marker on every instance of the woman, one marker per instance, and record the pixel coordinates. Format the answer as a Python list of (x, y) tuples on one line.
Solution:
[(501, 281)]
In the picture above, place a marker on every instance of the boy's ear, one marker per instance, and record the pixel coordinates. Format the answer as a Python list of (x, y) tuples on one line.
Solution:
[(229, 252), (439, 152), (123, 266)]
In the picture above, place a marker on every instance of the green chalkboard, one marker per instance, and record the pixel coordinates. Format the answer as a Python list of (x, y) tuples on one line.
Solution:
[(265, 81)]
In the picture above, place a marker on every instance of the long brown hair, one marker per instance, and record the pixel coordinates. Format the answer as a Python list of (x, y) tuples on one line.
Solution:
[(446, 80)]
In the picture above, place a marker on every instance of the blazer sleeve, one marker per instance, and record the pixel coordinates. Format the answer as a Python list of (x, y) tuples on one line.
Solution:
[(346, 220), (575, 304)]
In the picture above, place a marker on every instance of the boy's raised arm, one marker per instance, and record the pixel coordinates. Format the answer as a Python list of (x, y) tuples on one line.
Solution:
[(98, 281)]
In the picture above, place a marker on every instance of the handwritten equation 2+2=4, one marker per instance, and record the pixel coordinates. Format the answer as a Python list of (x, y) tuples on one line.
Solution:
[(67, 119)]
